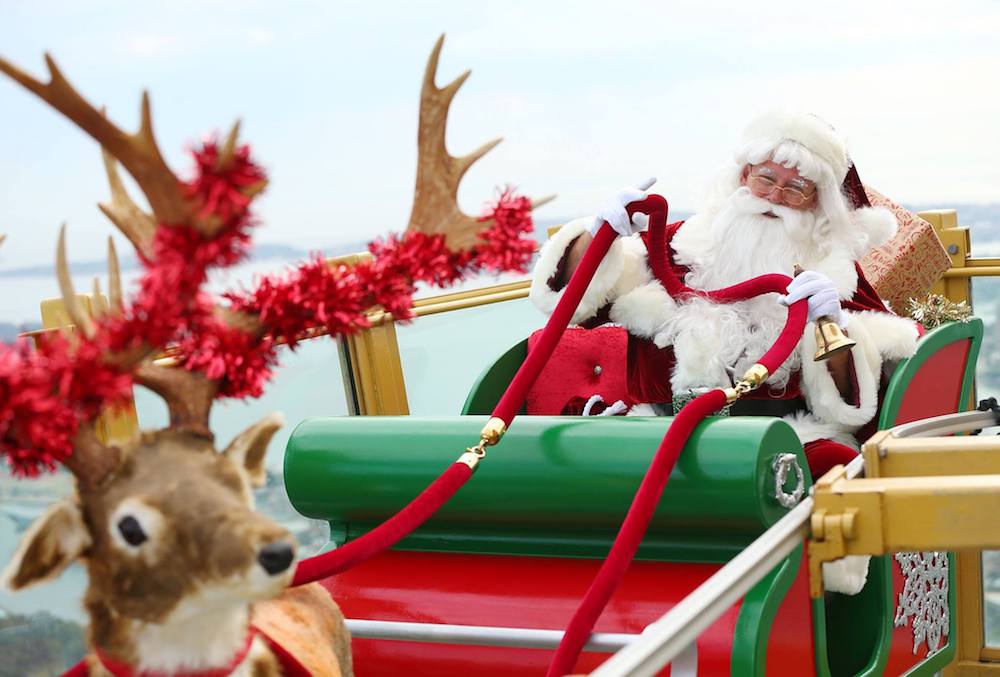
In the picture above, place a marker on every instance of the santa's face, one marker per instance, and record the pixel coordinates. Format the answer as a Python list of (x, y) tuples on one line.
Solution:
[(779, 185), (752, 236)]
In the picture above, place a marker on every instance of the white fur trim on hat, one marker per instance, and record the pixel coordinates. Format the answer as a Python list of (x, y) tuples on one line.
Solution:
[(877, 222), (623, 268), (816, 135)]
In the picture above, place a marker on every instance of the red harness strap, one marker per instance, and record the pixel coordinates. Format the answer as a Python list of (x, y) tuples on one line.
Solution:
[(78, 670), (290, 665)]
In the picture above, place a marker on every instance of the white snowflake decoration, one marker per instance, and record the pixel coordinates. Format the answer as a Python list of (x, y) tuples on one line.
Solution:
[(924, 597)]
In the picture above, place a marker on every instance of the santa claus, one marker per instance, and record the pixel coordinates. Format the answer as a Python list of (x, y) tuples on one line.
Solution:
[(792, 198)]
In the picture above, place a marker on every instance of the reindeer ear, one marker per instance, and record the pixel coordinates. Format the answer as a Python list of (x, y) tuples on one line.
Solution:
[(56, 539), (249, 447)]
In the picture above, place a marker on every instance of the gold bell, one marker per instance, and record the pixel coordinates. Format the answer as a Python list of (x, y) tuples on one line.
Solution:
[(830, 339)]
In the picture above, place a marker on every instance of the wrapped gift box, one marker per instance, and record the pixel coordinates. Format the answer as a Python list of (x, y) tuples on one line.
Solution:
[(909, 264)]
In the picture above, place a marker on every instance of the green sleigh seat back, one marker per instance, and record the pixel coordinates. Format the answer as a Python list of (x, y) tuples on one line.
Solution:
[(938, 378)]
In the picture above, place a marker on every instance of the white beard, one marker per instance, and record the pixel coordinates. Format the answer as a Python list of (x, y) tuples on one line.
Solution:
[(716, 343), (743, 242)]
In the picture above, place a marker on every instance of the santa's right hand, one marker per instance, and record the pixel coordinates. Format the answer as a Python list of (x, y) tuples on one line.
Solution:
[(613, 211)]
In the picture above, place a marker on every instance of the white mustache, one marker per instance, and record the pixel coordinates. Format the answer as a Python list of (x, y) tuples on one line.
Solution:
[(746, 203)]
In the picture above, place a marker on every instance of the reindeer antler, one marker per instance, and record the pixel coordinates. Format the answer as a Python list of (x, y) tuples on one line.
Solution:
[(188, 395), (135, 224), (435, 198), (196, 225), (138, 152)]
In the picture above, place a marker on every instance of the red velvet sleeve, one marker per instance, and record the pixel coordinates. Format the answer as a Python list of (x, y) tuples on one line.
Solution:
[(865, 298), (671, 230)]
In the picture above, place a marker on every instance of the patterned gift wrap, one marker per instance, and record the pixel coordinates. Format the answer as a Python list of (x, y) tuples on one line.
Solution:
[(909, 264)]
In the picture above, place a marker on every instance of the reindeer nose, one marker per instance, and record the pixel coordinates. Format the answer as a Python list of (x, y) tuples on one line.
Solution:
[(275, 557)]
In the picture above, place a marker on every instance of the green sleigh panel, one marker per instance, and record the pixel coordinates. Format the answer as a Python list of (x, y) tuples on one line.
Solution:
[(936, 380)]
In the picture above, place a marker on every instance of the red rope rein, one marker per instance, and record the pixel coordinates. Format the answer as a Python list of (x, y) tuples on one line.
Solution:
[(386, 534), (451, 480), (632, 530), (647, 496)]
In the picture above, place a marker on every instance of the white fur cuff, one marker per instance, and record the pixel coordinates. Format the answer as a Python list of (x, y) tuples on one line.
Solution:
[(893, 337), (822, 396), (877, 222), (622, 268), (644, 310), (808, 429), (847, 575)]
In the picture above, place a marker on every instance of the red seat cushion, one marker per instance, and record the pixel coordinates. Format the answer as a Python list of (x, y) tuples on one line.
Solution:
[(586, 362)]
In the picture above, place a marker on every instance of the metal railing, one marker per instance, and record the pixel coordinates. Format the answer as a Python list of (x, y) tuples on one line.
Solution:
[(480, 635)]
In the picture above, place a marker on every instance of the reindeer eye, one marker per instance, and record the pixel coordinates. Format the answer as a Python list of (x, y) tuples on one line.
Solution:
[(131, 531)]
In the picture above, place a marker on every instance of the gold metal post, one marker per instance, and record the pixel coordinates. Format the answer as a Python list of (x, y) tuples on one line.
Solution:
[(873, 516)]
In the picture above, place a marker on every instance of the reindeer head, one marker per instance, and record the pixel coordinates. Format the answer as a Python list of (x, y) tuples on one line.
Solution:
[(171, 530)]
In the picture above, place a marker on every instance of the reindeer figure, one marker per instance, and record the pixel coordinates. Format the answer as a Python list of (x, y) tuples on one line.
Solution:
[(175, 555), (185, 578)]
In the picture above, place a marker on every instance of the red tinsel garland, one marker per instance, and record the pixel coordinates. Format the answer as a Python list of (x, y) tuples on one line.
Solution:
[(338, 297), (46, 393), (507, 244)]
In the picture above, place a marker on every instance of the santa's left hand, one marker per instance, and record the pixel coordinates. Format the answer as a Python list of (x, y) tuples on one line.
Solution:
[(821, 293)]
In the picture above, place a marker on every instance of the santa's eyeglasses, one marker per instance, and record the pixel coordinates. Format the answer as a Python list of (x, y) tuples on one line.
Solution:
[(762, 186)]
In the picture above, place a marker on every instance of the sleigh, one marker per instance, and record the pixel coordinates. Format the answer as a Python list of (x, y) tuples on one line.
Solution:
[(490, 581)]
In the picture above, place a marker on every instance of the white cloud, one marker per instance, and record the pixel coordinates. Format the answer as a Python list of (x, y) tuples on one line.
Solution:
[(151, 45), (260, 36)]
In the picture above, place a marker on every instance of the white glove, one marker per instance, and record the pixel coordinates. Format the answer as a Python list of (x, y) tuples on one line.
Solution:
[(613, 211), (822, 295)]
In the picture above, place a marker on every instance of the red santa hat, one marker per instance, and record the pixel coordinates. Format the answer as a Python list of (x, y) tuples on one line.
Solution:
[(819, 152)]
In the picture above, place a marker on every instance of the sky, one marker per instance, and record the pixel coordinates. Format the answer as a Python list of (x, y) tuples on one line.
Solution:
[(590, 97)]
